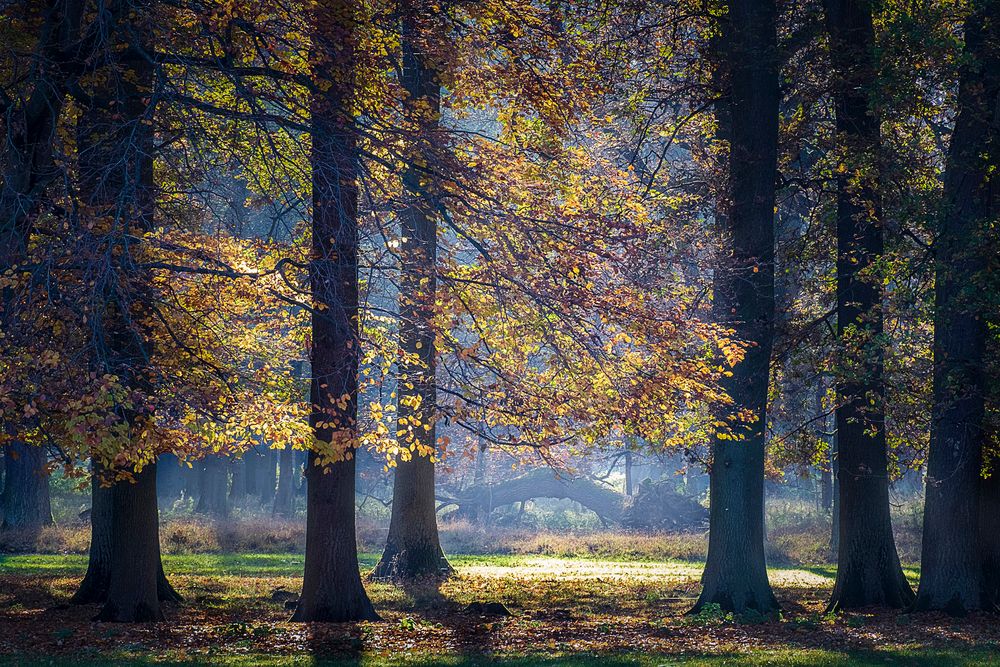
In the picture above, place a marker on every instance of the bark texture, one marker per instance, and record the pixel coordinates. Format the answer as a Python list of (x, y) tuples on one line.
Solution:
[(94, 587), (735, 575), (133, 590), (25, 501), (868, 569), (951, 567), (332, 590), (413, 548)]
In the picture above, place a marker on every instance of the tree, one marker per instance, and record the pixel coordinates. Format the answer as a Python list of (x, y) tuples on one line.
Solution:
[(332, 590), (868, 568), (213, 487), (413, 549), (735, 575), (288, 474), (94, 587), (25, 499), (117, 196), (951, 565)]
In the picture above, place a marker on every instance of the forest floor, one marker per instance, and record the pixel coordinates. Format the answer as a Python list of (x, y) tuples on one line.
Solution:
[(566, 611)]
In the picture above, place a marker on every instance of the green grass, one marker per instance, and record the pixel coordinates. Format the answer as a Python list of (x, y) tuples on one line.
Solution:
[(290, 564)]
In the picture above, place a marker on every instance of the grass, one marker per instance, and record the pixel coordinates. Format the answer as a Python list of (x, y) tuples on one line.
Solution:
[(567, 611), (485, 566)]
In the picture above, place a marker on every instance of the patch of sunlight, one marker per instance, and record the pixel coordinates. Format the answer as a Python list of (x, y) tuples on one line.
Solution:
[(547, 567)]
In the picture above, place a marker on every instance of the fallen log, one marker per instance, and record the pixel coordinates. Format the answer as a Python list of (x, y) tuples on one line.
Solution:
[(542, 483), (657, 507)]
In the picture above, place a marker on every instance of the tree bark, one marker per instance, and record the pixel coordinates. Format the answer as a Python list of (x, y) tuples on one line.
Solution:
[(25, 503), (868, 569), (30, 131), (735, 575), (413, 548), (332, 590), (133, 589), (989, 531), (951, 567), (94, 587), (115, 170)]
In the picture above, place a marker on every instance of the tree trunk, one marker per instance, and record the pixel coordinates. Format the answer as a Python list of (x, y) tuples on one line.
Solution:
[(213, 488), (989, 531), (242, 473), (868, 569), (170, 478), (26, 504), (951, 567), (735, 575), (413, 549), (288, 474), (94, 587), (133, 595), (628, 473), (267, 475), (331, 587), (30, 129)]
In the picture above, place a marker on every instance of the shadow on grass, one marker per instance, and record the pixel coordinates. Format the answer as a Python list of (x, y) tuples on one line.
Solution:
[(771, 658)]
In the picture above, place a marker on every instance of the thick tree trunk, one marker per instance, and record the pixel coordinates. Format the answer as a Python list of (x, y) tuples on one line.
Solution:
[(989, 531), (735, 575), (331, 588), (26, 504), (213, 487), (951, 563), (133, 591), (413, 549), (115, 168), (94, 587), (868, 569), (288, 474)]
